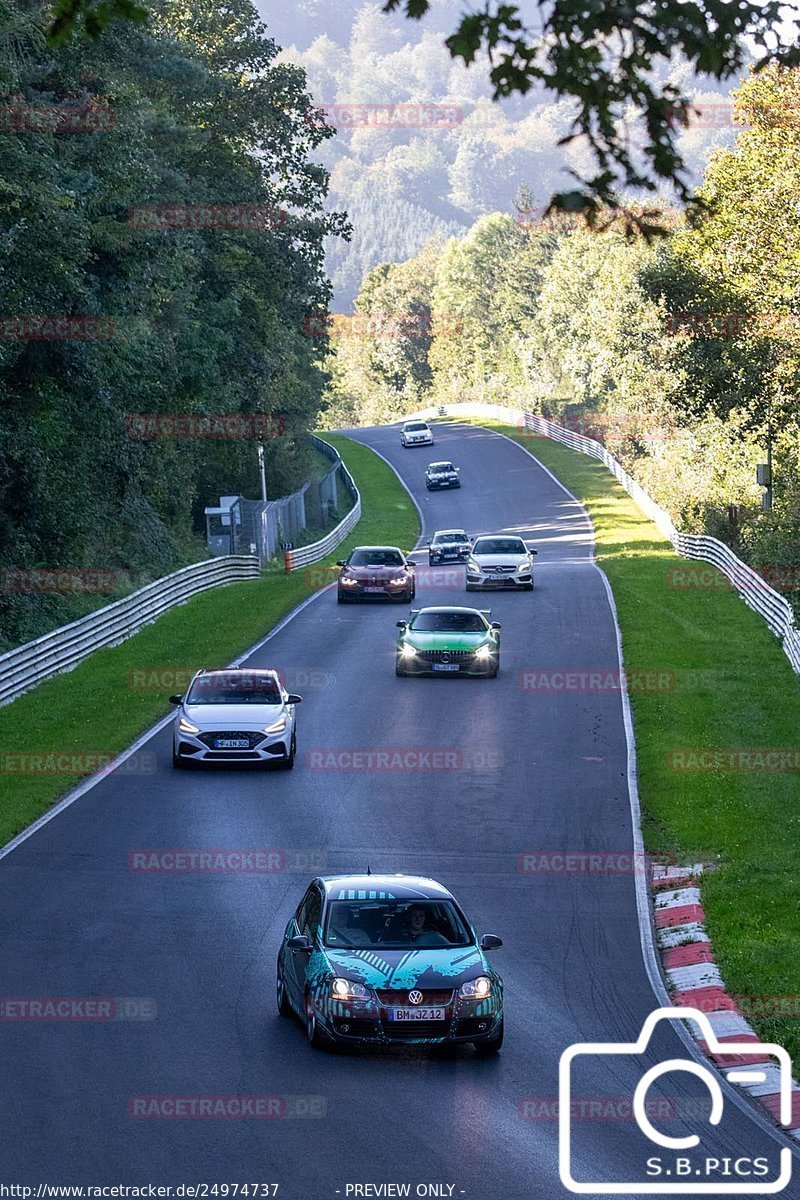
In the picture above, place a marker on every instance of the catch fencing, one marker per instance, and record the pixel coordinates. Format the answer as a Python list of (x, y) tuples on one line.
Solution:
[(753, 589), (305, 555)]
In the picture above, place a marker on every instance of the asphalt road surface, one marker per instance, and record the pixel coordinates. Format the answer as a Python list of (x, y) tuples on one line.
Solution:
[(540, 771)]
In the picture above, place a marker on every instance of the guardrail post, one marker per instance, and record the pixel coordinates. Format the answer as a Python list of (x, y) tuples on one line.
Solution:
[(287, 561)]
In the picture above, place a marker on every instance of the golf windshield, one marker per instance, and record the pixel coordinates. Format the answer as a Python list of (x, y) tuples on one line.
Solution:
[(395, 924), (499, 546), (449, 622)]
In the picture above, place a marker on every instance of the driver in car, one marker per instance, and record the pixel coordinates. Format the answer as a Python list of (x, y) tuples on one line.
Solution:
[(417, 929)]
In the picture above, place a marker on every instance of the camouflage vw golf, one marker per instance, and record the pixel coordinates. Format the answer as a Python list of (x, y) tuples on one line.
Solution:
[(458, 641), (378, 959)]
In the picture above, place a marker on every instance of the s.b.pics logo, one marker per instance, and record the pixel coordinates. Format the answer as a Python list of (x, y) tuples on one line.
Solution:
[(679, 1155)]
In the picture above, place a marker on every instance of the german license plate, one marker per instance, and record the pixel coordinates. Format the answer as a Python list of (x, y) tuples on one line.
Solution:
[(231, 743), (374, 589), (446, 666), (416, 1014)]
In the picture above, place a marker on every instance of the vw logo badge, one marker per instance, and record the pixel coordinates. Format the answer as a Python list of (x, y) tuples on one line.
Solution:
[(415, 997)]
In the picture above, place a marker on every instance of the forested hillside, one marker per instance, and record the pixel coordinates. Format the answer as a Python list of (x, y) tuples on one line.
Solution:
[(683, 355), (433, 173), (199, 310)]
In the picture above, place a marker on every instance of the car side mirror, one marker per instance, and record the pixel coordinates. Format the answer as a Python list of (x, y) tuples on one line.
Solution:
[(292, 699), (489, 941), (532, 551), (402, 624), (302, 942), (496, 625), (428, 541), (176, 699), (340, 562)]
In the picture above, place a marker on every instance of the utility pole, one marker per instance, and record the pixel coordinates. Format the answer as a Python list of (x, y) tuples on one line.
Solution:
[(263, 472)]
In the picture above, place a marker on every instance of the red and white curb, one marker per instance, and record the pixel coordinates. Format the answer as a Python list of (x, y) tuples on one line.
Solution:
[(694, 981)]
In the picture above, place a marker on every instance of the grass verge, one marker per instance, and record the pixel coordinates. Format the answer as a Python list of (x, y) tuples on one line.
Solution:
[(734, 691), (117, 693)]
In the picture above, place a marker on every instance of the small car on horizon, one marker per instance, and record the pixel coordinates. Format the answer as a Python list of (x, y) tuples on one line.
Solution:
[(387, 959), (416, 433), (448, 545), (241, 715), (500, 560), (448, 640), (376, 572), (442, 475)]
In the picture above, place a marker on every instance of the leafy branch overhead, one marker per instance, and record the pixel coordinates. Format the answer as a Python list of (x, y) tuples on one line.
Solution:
[(603, 53)]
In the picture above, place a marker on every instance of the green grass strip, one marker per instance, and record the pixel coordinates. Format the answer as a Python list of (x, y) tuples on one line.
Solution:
[(102, 706), (734, 689)]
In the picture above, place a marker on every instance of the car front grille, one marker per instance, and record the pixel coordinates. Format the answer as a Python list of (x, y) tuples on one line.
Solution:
[(403, 1030), (449, 655), (399, 998), (253, 739), (499, 570)]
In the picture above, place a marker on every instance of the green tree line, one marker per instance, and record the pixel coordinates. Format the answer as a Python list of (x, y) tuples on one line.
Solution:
[(201, 314), (682, 355)]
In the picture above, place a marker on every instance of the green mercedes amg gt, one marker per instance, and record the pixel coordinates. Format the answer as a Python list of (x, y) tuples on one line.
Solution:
[(458, 641)]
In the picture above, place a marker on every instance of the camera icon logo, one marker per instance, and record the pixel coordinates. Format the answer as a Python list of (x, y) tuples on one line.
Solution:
[(685, 1175)]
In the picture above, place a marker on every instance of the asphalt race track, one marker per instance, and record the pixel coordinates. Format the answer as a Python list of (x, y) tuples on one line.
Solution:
[(538, 772)]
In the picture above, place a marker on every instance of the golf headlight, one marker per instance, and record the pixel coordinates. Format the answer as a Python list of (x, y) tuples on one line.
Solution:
[(407, 651), (347, 580), (477, 989), (483, 652), (277, 726), (187, 727), (346, 989)]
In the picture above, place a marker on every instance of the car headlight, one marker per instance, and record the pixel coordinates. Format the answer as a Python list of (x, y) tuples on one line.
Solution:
[(187, 727), (347, 989), (347, 580), (472, 565), (525, 566), (277, 726), (483, 652), (407, 651), (477, 989), (400, 581)]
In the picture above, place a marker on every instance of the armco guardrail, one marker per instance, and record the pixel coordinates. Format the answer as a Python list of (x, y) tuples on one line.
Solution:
[(305, 555), (755, 591), (64, 648)]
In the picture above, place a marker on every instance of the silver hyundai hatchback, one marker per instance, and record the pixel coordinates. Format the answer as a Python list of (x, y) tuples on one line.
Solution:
[(235, 716)]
